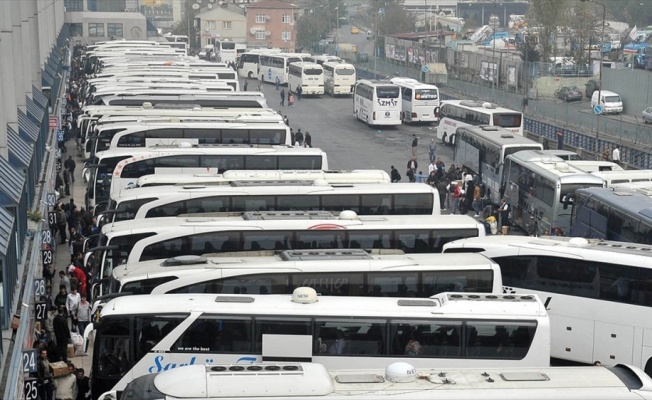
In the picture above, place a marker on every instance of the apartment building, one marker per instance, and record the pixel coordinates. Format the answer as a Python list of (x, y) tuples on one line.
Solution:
[(271, 23)]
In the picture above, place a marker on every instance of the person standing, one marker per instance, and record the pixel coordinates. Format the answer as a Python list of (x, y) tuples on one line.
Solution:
[(615, 155), (83, 314), (83, 385), (299, 92), (415, 143), (64, 280), (413, 164), (61, 333), (298, 137), (246, 84), (503, 211), (394, 175), (70, 165), (66, 385), (308, 140), (291, 100), (286, 120), (282, 96), (432, 150), (476, 200), (72, 305), (278, 82), (45, 384)]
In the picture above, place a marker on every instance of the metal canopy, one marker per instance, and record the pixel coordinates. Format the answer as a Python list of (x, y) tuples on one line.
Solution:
[(27, 126), (12, 183), (17, 147), (6, 226)]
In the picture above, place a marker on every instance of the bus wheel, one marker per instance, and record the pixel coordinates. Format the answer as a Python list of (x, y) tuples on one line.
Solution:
[(250, 75), (648, 367)]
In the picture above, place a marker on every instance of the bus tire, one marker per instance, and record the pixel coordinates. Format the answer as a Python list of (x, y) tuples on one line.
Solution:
[(648, 367), (250, 75)]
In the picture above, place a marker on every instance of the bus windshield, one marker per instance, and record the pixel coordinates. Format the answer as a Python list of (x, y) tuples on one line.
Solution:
[(345, 71), (293, 59), (507, 120), (568, 190), (387, 92), (426, 94), (228, 45), (312, 71)]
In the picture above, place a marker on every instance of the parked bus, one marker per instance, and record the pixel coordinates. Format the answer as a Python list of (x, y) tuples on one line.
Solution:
[(225, 51), (457, 113), (249, 60), (619, 214), (309, 76), (178, 41), (324, 58), (377, 102), (420, 100), (204, 131), (194, 159), (624, 178), (597, 292), (224, 100), (540, 190), (138, 335), (345, 177), (133, 241), (351, 272), (483, 149), (243, 196), (339, 78), (398, 381), (273, 66), (591, 166)]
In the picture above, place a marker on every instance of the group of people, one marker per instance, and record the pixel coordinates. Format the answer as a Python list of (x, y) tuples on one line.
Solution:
[(298, 138), (73, 386)]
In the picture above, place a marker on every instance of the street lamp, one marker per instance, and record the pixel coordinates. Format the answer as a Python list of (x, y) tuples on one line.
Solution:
[(604, 17)]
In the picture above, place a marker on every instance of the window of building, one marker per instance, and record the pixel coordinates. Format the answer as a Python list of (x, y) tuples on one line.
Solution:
[(286, 35), (114, 30), (260, 35), (76, 29), (260, 18), (226, 24), (210, 24), (287, 18), (95, 30), (74, 5)]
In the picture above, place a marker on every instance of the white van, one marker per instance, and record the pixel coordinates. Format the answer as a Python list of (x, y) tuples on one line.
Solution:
[(610, 101)]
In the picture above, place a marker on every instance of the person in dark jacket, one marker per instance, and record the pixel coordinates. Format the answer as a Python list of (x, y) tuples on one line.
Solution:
[(394, 175), (307, 142), (62, 333)]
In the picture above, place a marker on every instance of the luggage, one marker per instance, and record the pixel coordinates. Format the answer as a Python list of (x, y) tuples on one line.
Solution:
[(59, 369), (70, 351)]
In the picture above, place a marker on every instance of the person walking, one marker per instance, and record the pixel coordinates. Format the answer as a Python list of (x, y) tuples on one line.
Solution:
[(299, 92), (291, 100), (61, 333), (615, 155), (282, 96), (394, 175), (415, 143), (307, 142), (83, 314), (432, 150), (286, 120), (503, 211), (70, 165), (66, 385), (45, 383), (278, 82), (246, 84), (72, 305)]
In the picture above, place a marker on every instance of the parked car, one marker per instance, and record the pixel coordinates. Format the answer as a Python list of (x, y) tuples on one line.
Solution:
[(570, 93), (647, 115), (591, 86)]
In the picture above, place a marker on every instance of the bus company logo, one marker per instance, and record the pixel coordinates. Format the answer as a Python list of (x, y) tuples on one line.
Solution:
[(449, 122), (387, 114), (387, 102), (326, 227)]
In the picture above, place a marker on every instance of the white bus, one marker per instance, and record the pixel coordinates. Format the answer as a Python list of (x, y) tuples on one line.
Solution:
[(243, 196), (420, 100), (273, 66), (138, 335), (624, 178), (483, 149), (597, 292), (309, 76), (399, 381), (194, 159), (457, 113), (225, 51), (351, 272), (133, 241), (224, 100), (324, 58), (540, 190), (339, 78), (203, 131), (249, 60), (340, 177), (178, 41), (377, 102)]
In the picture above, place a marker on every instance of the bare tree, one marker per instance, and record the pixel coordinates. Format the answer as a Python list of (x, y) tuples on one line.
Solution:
[(548, 16), (586, 22)]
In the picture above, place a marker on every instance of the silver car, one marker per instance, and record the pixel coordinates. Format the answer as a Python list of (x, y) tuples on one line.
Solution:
[(647, 115)]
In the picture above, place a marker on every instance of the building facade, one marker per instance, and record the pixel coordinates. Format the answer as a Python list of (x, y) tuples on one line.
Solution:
[(93, 20), (223, 22), (271, 23)]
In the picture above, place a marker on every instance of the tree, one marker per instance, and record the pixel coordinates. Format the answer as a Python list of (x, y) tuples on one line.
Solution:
[(548, 15), (587, 28), (391, 17), (320, 20)]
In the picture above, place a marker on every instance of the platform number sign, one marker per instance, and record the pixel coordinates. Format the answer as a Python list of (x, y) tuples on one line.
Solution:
[(29, 361), (46, 256), (40, 311), (51, 199), (39, 287), (30, 389), (46, 237), (52, 218)]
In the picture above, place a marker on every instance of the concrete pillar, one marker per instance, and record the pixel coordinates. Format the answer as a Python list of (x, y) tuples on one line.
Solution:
[(26, 38), (34, 44), (8, 82), (17, 52)]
